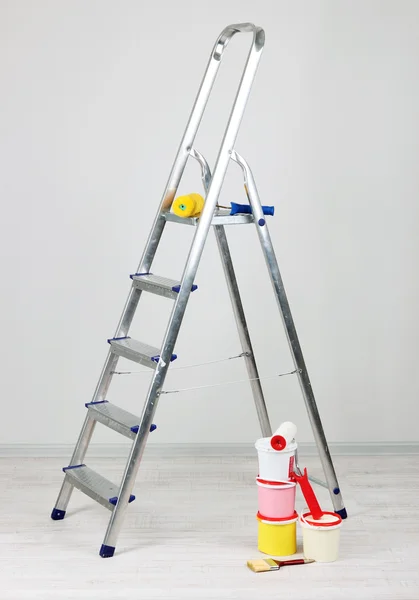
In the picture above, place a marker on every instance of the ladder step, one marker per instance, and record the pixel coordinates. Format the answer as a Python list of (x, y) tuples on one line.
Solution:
[(155, 284), (94, 485), (137, 351), (116, 418)]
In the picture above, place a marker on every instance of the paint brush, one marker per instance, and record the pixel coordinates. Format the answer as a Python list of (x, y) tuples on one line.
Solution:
[(261, 565)]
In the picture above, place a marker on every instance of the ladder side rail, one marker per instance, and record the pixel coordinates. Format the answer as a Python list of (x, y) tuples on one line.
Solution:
[(178, 168), (238, 310), (193, 124), (221, 164), (292, 336), (79, 453), (197, 246), (243, 330)]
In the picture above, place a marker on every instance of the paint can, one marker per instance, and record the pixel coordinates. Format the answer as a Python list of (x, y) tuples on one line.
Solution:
[(321, 537), (276, 499), (275, 465), (277, 537)]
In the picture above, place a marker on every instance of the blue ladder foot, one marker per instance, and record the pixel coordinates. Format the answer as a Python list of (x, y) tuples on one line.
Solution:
[(107, 551), (342, 513), (57, 514)]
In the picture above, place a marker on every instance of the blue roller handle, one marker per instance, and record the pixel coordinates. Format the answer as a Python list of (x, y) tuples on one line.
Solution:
[(247, 209)]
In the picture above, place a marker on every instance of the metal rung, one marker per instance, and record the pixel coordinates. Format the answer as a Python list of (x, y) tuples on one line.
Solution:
[(155, 284), (319, 482), (221, 217), (116, 418), (94, 485), (137, 351)]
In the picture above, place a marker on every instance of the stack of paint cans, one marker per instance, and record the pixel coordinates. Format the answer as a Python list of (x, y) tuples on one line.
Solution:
[(277, 518)]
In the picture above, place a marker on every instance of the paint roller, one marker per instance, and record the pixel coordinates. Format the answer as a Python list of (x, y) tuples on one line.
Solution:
[(191, 205), (283, 436)]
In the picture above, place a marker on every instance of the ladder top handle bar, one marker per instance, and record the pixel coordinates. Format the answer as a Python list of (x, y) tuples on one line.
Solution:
[(227, 33), (195, 117)]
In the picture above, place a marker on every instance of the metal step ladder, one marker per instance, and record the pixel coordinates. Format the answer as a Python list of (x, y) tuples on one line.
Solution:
[(117, 497)]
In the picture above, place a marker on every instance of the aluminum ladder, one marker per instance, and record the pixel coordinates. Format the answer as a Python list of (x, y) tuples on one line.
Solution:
[(117, 497)]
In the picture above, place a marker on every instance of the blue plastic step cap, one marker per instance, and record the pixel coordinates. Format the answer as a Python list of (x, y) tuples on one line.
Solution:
[(176, 288), (57, 515), (114, 499), (135, 428), (157, 358), (94, 403), (73, 467)]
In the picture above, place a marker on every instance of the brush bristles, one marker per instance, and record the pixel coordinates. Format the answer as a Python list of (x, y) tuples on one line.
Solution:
[(259, 566)]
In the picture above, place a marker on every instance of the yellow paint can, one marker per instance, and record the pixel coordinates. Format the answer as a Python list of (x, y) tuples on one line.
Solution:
[(277, 536), (190, 205)]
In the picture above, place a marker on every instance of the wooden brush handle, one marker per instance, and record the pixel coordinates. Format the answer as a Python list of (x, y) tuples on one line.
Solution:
[(297, 561)]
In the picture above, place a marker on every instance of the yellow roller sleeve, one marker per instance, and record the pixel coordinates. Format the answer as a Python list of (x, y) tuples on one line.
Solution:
[(190, 205)]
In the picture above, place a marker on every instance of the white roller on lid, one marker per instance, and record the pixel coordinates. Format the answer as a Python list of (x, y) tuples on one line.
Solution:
[(283, 436)]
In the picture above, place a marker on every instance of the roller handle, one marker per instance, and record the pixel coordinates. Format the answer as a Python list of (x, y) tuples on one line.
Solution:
[(247, 209), (309, 495)]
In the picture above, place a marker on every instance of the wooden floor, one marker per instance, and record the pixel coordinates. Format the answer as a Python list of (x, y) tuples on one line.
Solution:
[(192, 528)]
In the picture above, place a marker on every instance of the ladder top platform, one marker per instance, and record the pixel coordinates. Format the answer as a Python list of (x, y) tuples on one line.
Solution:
[(221, 217)]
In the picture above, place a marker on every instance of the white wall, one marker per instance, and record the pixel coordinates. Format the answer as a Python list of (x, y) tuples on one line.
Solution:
[(95, 96)]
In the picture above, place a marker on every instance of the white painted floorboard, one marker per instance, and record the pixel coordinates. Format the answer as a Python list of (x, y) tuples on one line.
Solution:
[(192, 528)]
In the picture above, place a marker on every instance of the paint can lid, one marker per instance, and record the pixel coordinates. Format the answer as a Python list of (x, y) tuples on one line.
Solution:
[(281, 521), (275, 484), (328, 519)]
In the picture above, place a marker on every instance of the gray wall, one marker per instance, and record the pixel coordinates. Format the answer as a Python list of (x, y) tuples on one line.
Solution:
[(95, 96)]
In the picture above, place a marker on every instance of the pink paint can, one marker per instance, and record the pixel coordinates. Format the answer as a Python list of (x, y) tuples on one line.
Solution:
[(276, 499)]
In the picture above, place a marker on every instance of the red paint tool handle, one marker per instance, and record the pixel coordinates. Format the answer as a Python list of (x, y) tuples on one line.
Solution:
[(309, 495)]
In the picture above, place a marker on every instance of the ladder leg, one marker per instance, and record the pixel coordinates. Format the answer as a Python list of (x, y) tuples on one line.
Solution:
[(154, 392), (246, 344), (121, 331), (297, 354), (128, 479), (105, 377), (58, 512), (102, 387), (238, 310)]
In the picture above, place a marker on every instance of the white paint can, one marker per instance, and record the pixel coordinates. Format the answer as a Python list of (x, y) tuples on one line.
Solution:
[(321, 537), (274, 465)]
